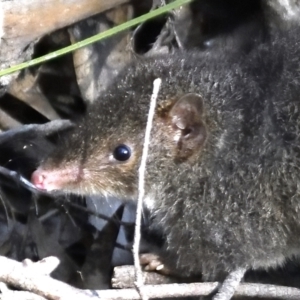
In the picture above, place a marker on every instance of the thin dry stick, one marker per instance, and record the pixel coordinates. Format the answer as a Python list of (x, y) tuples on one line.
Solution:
[(31, 278), (34, 277), (1, 22), (137, 235), (204, 289), (230, 284)]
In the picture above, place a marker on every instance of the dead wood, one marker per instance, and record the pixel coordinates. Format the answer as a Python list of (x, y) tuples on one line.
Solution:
[(24, 21)]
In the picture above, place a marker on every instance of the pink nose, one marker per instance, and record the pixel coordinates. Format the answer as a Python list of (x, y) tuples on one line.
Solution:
[(55, 179), (47, 180), (39, 179)]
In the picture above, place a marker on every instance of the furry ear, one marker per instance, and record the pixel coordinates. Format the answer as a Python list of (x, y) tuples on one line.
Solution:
[(187, 121)]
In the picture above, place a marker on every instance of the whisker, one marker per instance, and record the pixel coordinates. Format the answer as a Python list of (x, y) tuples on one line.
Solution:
[(4, 206), (113, 219), (49, 214)]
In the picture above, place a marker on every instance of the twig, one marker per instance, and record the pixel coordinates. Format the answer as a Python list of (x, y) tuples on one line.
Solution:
[(8, 294), (142, 170), (123, 278), (203, 289), (28, 278), (1, 22), (31, 277), (230, 285), (23, 181), (42, 267)]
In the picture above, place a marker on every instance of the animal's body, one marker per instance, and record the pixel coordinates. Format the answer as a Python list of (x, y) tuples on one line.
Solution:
[(223, 171)]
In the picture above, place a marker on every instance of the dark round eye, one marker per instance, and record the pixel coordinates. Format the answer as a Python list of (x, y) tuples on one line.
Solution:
[(122, 153)]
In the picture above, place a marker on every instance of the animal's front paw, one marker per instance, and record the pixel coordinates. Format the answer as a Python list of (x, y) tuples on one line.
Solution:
[(152, 262)]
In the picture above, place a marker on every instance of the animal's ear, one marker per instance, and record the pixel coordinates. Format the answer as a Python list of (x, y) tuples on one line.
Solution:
[(188, 127)]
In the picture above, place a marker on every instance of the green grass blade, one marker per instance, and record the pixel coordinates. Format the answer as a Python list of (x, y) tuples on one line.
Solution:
[(97, 37)]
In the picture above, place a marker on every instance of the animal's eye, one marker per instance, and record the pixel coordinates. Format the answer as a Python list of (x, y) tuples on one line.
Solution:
[(122, 152)]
